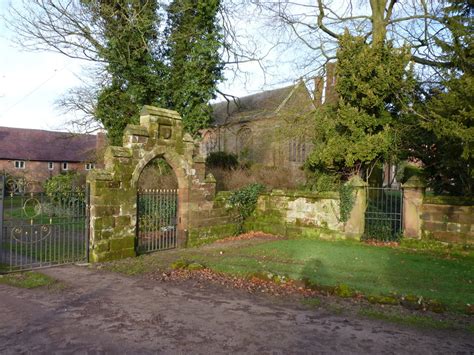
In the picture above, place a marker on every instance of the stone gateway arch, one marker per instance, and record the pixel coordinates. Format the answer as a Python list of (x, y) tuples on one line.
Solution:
[(113, 190)]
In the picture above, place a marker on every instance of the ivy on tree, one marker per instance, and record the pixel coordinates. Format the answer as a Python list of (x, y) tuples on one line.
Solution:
[(134, 67), (193, 39), (137, 60)]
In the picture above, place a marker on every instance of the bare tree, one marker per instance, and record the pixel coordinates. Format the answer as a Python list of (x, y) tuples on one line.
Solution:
[(314, 27)]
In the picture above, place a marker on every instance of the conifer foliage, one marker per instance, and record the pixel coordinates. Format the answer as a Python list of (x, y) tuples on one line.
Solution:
[(374, 88), (443, 134)]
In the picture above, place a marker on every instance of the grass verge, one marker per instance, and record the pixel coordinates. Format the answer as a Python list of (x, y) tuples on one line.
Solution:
[(28, 280), (366, 269)]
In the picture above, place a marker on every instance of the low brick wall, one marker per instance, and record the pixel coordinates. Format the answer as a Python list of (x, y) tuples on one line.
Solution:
[(448, 219), (294, 214)]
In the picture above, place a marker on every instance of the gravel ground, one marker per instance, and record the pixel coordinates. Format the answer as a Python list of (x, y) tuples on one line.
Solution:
[(100, 312)]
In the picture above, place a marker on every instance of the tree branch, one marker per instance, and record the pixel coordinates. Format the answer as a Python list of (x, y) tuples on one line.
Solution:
[(321, 24)]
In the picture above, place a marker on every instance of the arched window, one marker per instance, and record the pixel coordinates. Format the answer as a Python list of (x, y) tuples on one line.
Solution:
[(209, 143), (297, 151), (244, 143)]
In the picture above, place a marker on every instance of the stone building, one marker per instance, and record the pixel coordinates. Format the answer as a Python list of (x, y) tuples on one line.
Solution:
[(264, 128), (37, 155), (253, 127)]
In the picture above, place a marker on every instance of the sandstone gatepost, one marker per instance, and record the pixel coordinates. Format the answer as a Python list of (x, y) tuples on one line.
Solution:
[(113, 190)]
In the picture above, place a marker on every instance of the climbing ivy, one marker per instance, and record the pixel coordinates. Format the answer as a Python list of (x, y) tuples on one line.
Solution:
[(346, 193)]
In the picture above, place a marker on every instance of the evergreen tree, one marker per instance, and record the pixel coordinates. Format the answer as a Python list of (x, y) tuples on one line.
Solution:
[(444, 138), (137, 62), (360, 130)]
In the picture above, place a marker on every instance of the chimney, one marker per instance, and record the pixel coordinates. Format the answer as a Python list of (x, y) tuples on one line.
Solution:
[(318, 90), (331, 94), (100, 145)]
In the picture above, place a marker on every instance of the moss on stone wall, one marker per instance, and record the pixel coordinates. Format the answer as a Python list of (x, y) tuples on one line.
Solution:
[(113, 255), (305, 194), (272, 225), (221, 199), (449, 200)]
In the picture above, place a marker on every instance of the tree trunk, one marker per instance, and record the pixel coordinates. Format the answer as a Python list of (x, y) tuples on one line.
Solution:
[(379, 25)]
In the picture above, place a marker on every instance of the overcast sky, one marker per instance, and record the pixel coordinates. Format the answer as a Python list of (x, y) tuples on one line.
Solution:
[(31, 82)]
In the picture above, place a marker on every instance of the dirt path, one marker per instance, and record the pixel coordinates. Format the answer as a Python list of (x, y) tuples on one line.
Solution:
[(101, 312)]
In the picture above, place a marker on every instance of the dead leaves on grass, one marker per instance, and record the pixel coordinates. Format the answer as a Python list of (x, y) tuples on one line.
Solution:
[(251, 284), (262, 283), (248, 236), (378, 243)]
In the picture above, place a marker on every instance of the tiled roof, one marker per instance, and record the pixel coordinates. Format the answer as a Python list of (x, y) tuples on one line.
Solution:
[(250, 107), (39, 145)]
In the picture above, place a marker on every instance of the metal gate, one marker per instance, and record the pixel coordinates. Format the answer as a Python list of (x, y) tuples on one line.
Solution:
[(157, 220), (39, 230), (383, 215)]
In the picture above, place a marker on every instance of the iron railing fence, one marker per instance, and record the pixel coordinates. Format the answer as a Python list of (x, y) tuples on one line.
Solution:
[(38, 230), (383, 215), (157, 220)]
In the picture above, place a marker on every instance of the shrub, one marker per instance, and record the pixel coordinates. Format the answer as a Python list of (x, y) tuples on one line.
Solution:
[(222, 160), (321, 181), (66, 189), (245, 201), (271, 177)]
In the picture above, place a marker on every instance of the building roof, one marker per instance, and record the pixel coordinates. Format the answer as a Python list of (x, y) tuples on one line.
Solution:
[(39, 145), (252, 107)]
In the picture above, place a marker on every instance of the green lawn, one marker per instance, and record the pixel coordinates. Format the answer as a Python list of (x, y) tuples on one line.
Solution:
[(368, 269), (371, 270), (27, 280)]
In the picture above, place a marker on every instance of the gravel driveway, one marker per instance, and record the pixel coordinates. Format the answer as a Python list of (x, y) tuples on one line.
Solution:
[(101, 312)]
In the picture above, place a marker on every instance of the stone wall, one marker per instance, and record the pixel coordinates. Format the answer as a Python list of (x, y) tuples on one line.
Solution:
[(285, 213), (293, 214), (444, 218), (213, 223), (448, 219)]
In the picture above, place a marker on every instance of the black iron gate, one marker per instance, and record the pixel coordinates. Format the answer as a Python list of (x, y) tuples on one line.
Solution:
[(40, 230), (383, 215), (157, 220)]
